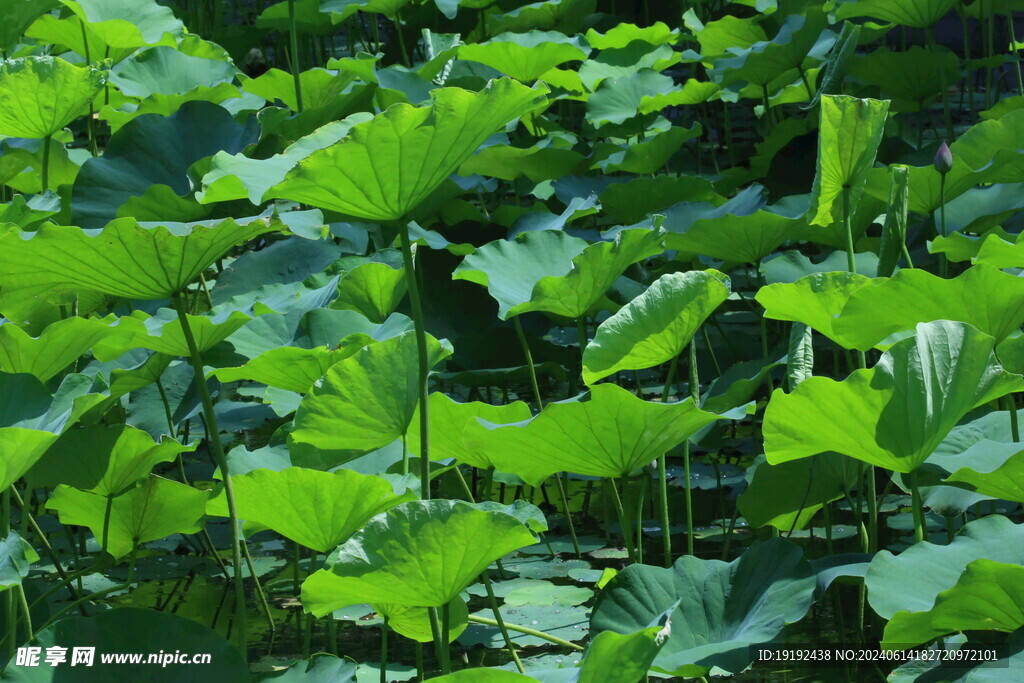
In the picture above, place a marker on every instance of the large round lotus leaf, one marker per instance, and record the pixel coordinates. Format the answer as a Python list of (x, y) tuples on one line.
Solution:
[(525, 56), (814, 300), (553, 272), (910, 581), (988, 596), (608, 433), (166, 71), (851, 130), (318, 510), (59, 344), (130, 629), (124, 259), (800, 40), (629, 655), (420, 554), (129, 168), (388, 165), (289, 367), (41, 95), (455, 430), (414, 622), (894, 414), (16, 557), (128, 23), (18, 15), (160, 507), (363, 403), (723, 608), (788, 495), (103, 459), (982, 296), (915, 13), (654, 327), (910, 77)]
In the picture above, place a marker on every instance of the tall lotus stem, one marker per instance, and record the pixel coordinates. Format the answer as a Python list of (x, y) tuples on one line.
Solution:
[(239, 631), (421, 350), (46, 163), (943, 164), (915, 495), (293, 38), (666, 520), (695, 395)]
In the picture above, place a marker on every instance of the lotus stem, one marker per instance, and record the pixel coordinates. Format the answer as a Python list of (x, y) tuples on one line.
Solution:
[(239, 632), (5, 530), (47, 141), (622, 508), (851, 263), (384, 651), (421, 349), (564, 499), (581, 331), (446, 623), (293, 37), (106, 521), (260, 595), (695, 395), (915, 495), (31, 521), (529, 363), (665, 518), (473, 619), (440, 651), (943, 261), (1010, 404), (397, 19)]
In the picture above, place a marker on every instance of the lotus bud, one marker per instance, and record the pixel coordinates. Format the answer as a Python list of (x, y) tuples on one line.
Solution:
[(943, 159)]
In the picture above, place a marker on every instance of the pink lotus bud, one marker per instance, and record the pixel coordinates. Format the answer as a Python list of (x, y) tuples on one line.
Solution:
[(943, 159)]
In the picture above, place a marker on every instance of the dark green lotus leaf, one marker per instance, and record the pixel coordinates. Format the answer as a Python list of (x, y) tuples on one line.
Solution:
[(59, 344), (318, 510), (16, 557), (801, 41), (420, 554), (320, 668), (387, 166), (851, 130), (788, 495), (723, 608), (609, 433), (127, 169), (133, 630), (128, 23), (157, 508), (483, 675), (656, 326), (103, 459), (896, 413), (910, 77), (623, 34), (644, 157), (790, 266), (124, 259), (625, 61), (914, 13), (455, 430), (633, 201), (547, 15), (365, 401), (988, 596), (525, 56), (982, 296), (18, 15), (536, 163), (897, 583), (317, 17), (814, 300), (41, 95)]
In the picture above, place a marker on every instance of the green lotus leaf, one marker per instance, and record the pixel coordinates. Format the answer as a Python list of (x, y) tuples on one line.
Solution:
[(155, 509), (525, 56), (41, 95), (802, 38), (737, 385), (103, 459), (386, 7), (894, 232), (236, 176), (124, 259), (625, 61), (373, 289), (999, 252), (455, 429), (16, 558), (162, 332), (319, 87), (814, 300), (910, 77), (609, 433), (692, 92), (897, 583), (656, 326), (420, 554), (550, 271), (617, 100), (320, 668), (623, 34), (167, 71), (536, 163), (387, 166), (982, 296), (914, 13), (76, 35), (788, 495), (134, 630), (59, 345), (644, 157), (364, 402), (317, 17), (18, 15), (318, 510), (483, 675), (723, 36), (548, 15), (289, 367), (722, 608), (127, 173), (744, 229), (629, 655), (128, 23), (894, 414), (990, 468), (989, 596), (633, 201)]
